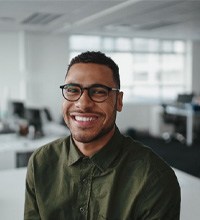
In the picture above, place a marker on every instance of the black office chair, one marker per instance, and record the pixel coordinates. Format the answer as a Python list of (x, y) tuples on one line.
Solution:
[(179, 122), (17, 109), (34, 118), (185, 98), (48, 114)]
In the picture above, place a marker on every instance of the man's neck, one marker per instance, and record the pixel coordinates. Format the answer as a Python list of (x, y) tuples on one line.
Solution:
[(89, 149)]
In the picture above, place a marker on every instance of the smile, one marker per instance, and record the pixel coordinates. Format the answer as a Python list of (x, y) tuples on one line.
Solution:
[(84, 119)]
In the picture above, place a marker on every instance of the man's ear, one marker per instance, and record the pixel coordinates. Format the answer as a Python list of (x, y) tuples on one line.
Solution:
[(119, 101)]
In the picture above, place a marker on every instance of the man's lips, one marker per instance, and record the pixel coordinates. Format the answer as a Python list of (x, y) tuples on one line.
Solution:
[(84, 119)]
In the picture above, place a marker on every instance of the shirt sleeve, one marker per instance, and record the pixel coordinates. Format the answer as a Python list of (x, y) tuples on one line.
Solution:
[(31, 211), (161, 198)]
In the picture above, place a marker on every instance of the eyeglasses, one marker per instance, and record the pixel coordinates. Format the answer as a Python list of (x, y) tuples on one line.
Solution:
[(97, 93)]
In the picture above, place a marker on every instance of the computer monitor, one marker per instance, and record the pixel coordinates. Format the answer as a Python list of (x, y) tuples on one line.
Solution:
[(17, 109), (185, 98), (33, 116)]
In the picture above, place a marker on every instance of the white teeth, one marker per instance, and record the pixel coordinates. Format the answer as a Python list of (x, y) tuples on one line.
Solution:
[(78, 118)]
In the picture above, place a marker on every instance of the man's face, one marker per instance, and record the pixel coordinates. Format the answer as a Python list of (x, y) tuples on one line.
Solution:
[(86, 119)]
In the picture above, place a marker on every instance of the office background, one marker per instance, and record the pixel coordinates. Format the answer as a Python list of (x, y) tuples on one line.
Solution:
[(35, 46), (33, 65), (37, 40)]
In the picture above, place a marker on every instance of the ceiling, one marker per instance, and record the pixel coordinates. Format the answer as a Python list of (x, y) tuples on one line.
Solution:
[(144, 18)]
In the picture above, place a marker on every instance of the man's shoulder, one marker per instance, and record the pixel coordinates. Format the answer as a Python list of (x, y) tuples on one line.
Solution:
[(135, 149), (136, 154), (51, 149)]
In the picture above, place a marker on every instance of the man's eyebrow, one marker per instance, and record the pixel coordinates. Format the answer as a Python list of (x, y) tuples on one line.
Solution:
[(88, 85), (74, 84)]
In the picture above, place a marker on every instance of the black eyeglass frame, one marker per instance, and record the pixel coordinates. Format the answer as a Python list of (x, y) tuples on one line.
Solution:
[(88, 89)]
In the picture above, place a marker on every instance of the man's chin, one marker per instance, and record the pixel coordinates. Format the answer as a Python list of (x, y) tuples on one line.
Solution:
[(90, 137), (84, 140)]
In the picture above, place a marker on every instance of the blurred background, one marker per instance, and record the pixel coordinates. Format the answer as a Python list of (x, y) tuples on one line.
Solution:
[(155, 43)]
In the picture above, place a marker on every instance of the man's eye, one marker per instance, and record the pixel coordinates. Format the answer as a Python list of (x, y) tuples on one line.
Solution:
[(72, 90), (99, 91)]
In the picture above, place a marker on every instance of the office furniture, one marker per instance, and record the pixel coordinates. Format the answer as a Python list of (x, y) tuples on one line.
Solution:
[(185, 98), (48, 114), (17, 109), (188, 112), (22, 158), (181, 114), (178, 123), (12, 191), (13, 146), (34, 119), (190, 191)]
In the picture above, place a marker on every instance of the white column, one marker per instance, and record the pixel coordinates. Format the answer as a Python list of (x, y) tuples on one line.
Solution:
[(22, 66)]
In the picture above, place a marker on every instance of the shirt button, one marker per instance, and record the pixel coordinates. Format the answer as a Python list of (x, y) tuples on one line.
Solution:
[(82, 210), (85, 181)]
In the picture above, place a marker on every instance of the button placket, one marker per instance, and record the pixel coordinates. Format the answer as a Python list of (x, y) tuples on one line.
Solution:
[(82, 209), (85, 184), (85, 181)]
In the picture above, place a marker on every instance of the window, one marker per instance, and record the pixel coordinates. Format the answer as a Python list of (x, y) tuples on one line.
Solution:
[(79, 42), (149, 68)]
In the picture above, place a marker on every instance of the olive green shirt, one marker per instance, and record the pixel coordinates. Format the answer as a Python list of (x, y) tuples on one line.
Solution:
[(123, 181)]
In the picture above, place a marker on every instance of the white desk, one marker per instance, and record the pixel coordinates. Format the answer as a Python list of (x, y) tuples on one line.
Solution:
[(12, 190), (12, 194), (11, 144), (190, 193), (189, 113)]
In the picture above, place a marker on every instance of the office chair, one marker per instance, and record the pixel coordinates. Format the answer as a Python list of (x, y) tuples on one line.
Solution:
[(34, 119), (17, 109), (48, 114), (179, 122)]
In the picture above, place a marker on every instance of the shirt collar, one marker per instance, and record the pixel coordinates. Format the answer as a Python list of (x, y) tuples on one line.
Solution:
[(74, 154), (103, 158)]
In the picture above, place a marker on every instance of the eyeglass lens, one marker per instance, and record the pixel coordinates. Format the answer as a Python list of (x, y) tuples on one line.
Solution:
[(96, 93)]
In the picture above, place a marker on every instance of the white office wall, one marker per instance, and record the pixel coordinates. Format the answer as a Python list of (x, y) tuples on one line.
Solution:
[(135, 115), (9, 63), (10, 75), (47, 60), (196, 67), (32, 68)]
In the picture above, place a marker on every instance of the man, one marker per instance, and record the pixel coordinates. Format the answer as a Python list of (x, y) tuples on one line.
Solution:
[(97, 173)]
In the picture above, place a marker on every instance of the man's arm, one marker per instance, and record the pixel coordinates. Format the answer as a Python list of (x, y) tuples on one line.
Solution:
[(161, 198), (31, 211)]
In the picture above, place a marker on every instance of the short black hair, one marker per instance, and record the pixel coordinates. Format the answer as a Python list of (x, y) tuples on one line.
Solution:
[(97, 57)]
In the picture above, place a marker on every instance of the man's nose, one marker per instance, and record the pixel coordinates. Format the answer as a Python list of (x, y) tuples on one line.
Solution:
[(85, 100)]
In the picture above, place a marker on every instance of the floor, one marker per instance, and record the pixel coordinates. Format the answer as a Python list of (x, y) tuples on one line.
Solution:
[(175, 153)]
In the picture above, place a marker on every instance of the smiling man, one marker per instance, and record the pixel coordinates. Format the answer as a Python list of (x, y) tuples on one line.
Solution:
[(96, 172), (93, 98)]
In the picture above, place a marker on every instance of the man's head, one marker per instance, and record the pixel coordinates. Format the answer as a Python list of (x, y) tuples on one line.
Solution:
[(98, 58), (92, 97)]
